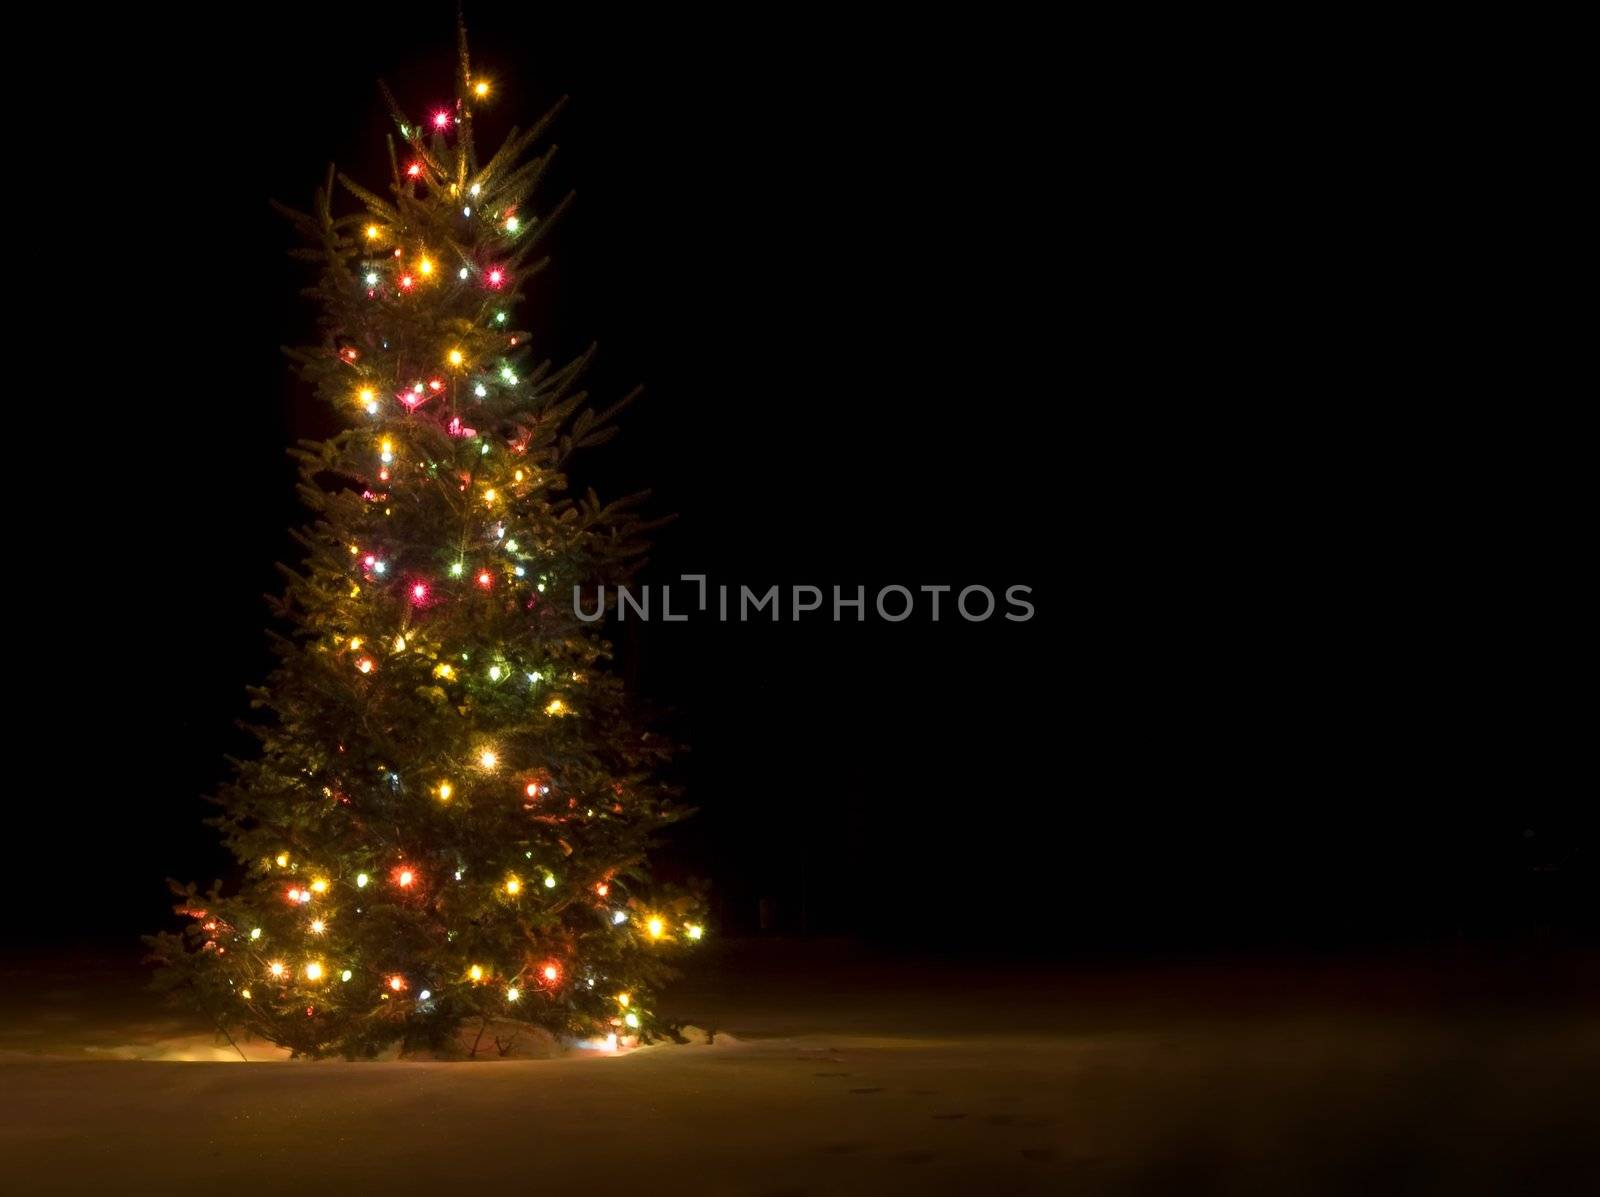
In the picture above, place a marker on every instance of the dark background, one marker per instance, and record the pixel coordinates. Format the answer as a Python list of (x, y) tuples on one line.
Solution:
[(914, 303)]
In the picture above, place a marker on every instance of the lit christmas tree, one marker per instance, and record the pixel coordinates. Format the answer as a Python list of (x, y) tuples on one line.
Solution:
[(450, 812)]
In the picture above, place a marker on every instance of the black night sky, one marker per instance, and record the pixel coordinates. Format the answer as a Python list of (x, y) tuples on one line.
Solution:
[(912, 305)]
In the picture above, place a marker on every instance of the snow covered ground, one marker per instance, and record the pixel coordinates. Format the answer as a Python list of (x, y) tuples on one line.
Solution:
[(834, 1072)]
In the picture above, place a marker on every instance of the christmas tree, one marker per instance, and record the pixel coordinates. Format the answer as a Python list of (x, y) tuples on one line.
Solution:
[(448, 818)]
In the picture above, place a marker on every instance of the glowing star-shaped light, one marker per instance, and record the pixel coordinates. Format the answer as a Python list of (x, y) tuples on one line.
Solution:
[(513, 886), (425, 267), (631, 1019), (419, 592), (488, 758), (618, 918), (480, 89), (495, 277), (512, 224), (276, 968), (319, 886), (373, 232), (549, 881), (456, 358), (318, 926), (441, 119), (513, 994), (414, 169), (484, 579), (397, 983)]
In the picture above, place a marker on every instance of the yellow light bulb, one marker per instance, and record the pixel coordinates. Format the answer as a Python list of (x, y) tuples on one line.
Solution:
[(456, 358), (373, 232), (276, 968), (283, 857), (255, 932), (518, 476), (488, 495), (318, 926), (513, 994), (245, 994), (624, 998), (694, 930), (368, 395), (556, 707), (425, 266), (361, 880), (488, 759), (480, 89), (475, 972), (445, 791), (656, 927), (355, 643), (443, 671), (319, 886), (313, 971), (399, 644), (513, 886)]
